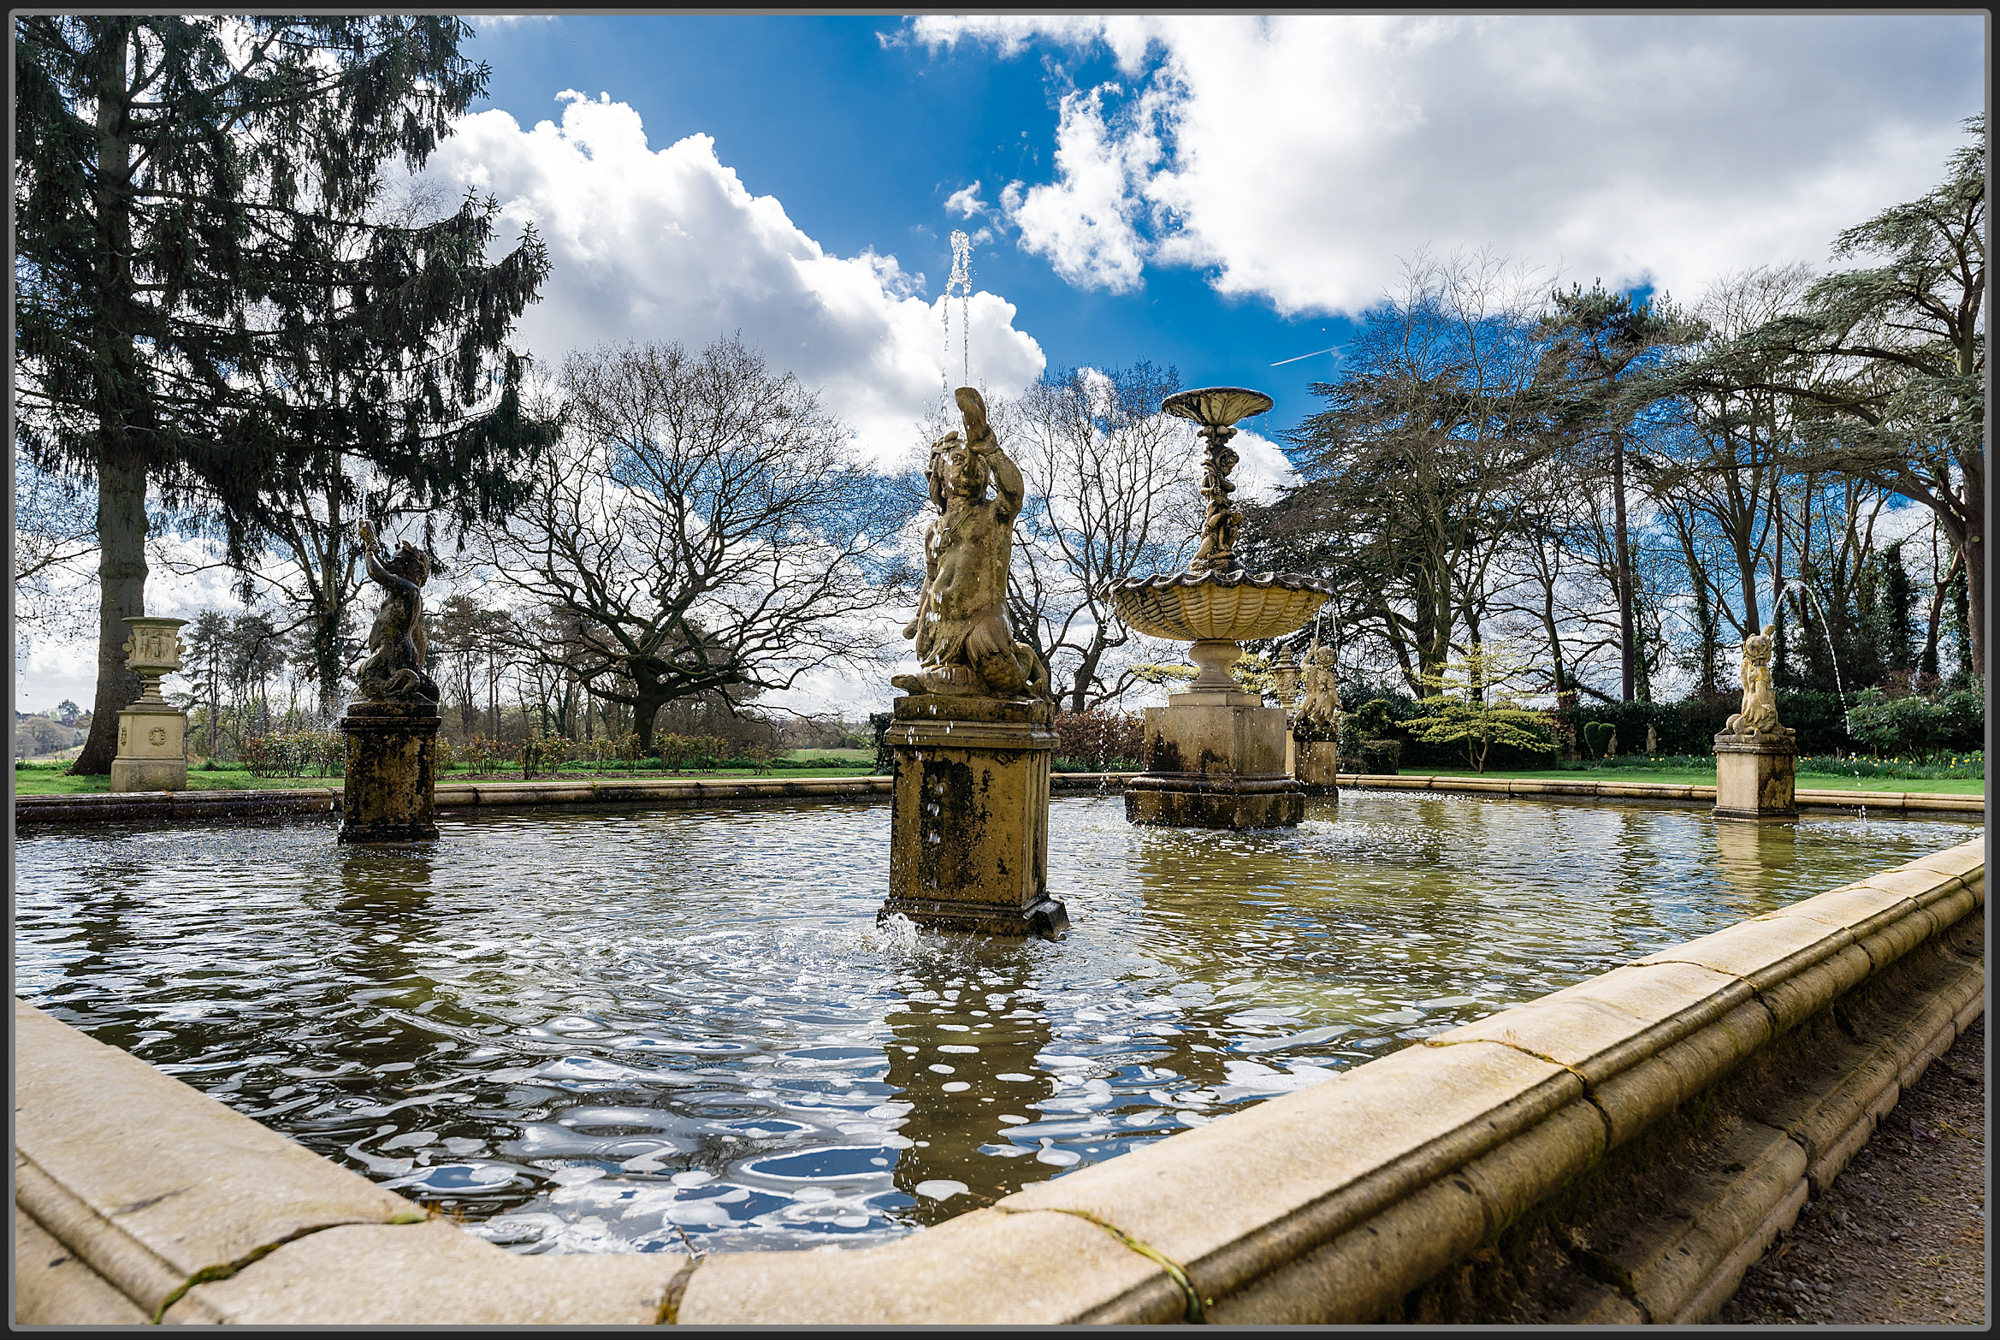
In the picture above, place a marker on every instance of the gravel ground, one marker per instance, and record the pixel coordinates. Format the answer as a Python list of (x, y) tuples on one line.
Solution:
[(1900, 1236)]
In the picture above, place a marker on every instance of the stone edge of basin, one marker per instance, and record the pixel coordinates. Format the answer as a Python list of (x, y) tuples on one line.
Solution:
[(106, 807), (1903, 801), (1329, 1204)]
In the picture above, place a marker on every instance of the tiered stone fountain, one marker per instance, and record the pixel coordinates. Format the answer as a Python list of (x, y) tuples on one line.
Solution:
[(1215, 755)]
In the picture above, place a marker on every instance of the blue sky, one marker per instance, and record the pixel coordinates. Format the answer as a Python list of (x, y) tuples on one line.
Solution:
[(864, 142)]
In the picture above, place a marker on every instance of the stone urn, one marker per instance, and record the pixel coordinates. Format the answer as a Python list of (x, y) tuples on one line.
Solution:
[(1216, 757), (151, 732)]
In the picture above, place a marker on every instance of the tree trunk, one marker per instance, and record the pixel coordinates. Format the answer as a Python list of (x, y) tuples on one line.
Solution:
[(121, 471), (121, 580), (1627, 666)]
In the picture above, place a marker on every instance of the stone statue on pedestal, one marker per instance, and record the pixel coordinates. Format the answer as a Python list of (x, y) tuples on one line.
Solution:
[(395, 672), (389, 783), (1319, 709), (1760, 704), (1755, 757), (963, 640), (972, 737)]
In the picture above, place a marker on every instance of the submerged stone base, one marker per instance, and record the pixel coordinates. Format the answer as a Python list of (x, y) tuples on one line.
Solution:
[(969, 834), (1229, 802), (388, 790), (1216, 759), (1318, 767), (151, 752), (1755, 777)]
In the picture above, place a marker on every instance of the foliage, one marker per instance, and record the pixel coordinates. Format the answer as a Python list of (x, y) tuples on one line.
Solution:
[(1473, 703), (1910, 724), (1103, 741), (1597, 738), (290, 753), (885, 757)]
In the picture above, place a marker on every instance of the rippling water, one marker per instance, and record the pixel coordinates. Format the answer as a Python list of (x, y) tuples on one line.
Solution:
[(625, 1030)]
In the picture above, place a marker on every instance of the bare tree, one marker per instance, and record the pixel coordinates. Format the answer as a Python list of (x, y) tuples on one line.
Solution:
[(55, 525), (705, 525), (1112, 493)]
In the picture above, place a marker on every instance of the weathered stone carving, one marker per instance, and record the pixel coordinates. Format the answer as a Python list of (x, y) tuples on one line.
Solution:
[(1319, 708), (395, 673), (963, 640), (1760, 704)]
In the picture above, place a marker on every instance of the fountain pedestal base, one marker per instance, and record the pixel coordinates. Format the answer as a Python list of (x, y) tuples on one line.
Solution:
[(1755, 776), (1215, 759), (969, 833), (388, 789), (150, 749)]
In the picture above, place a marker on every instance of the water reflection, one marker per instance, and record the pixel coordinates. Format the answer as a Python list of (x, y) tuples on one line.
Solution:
[(637, 1031)]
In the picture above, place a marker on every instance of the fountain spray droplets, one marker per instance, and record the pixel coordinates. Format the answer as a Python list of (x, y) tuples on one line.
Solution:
[(960, 283)]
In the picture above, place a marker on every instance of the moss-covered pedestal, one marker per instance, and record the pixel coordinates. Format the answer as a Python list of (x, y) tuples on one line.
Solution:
[(390, 783), (969, 836), (1215, 758), (1756, 776)]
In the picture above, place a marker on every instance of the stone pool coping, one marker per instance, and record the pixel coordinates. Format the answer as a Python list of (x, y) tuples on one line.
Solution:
[(1901, 802), (1620, 1150), (684, 792)]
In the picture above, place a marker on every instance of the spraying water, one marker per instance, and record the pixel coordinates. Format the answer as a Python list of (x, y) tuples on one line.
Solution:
[(960, 283), (1832, 656)]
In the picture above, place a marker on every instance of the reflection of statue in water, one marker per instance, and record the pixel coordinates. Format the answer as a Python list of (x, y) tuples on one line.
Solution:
[(1319, 708), (1760, 704), (394, 673), (963, 640)]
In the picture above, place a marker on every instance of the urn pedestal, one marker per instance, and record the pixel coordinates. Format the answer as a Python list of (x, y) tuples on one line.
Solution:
[(389, 788), (1756, 776), (969, 833), (1215, 758), (152, 731), (151, 751)]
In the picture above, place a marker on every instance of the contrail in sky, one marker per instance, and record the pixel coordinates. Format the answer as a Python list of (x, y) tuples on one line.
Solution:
[(1314, 354)]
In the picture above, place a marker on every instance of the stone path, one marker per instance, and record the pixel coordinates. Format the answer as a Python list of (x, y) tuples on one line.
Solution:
[(1900, 1236)]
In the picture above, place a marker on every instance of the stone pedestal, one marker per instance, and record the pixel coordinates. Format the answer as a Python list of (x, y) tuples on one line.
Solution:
[(969, 836), (388, 788), (1215, 758), (1318, 763), (1755, 776), (151, 755)]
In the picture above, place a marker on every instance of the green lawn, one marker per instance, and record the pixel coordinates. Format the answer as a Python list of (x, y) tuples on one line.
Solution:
[(1807, 781), (53, 781)]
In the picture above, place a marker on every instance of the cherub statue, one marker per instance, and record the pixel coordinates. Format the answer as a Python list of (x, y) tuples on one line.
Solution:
[(394, 673), (1319, 708), (963, 640), (1760, 705)]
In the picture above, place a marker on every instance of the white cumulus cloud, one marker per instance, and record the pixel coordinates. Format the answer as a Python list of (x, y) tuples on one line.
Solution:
[(1298, 158), (668, 244)]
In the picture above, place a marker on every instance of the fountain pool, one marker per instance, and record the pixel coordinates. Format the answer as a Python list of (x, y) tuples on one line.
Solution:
[(629, 1031)]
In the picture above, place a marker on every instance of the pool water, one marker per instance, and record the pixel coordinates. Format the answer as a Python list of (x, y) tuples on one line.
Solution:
[(620, 1030)]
